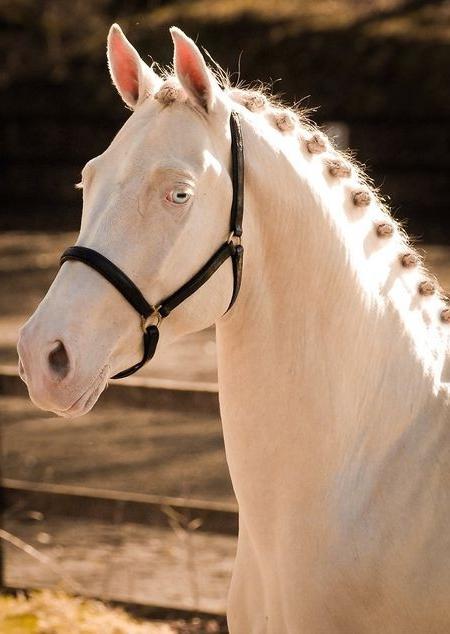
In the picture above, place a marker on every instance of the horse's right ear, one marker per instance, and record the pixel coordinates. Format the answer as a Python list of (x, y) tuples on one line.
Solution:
[(131, 76)]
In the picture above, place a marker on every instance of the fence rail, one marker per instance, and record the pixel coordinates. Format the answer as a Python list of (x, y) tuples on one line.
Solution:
[(186, 396), (117, 506)]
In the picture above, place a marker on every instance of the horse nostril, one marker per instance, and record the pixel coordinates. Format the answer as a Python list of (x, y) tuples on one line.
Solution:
[(58, 361)]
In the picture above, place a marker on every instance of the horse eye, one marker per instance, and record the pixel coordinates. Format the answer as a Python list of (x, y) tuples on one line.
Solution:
[(178, 197)]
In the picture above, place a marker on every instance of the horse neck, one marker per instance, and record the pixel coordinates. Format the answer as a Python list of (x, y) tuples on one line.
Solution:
[(309, 359)]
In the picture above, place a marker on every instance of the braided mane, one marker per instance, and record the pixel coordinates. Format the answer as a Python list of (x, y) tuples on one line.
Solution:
[(340, 165)]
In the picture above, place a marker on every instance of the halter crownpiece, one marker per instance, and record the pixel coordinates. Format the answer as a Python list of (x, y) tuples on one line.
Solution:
[(152, 315)]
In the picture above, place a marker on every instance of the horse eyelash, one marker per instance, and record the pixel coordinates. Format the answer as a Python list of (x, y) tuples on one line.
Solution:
[(78, 185)]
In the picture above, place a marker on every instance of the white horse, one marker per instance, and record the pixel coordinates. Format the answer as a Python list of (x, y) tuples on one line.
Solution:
[(333, 363)]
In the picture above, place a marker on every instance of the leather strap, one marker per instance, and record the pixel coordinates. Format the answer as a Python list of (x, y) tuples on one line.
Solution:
[(237, 175), (128, 289), (192, 285), (238, 261), (151, 338), (113, 274)]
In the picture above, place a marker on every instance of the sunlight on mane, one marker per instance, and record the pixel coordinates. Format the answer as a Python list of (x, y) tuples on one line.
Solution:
[(341, 166), (256, 97)]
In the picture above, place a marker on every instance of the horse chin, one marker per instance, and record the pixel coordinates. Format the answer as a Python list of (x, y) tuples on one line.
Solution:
[(88, 399), (84, 403)]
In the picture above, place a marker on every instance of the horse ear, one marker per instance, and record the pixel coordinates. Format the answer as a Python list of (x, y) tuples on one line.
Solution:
[(131, 76), (191, 70)]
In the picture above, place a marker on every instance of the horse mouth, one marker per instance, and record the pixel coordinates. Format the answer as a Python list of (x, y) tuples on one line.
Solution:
[(87, 400)]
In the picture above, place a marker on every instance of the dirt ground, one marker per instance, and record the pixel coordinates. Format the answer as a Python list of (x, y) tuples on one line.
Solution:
[(119, 448), (123, 562), (128, 449)]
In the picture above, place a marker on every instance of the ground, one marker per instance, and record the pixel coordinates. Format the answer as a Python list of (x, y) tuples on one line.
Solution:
[(132, 449)]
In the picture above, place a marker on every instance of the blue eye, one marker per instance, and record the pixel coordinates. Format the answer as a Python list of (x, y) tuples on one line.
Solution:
[(177, 196)]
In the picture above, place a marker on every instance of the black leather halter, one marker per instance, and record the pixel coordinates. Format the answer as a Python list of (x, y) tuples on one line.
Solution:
[(152, 315)]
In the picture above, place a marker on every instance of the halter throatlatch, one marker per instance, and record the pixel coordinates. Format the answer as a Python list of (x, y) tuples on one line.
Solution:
[(152, 315)]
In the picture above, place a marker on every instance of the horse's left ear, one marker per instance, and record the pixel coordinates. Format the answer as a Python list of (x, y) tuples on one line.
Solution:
[(192, 72)]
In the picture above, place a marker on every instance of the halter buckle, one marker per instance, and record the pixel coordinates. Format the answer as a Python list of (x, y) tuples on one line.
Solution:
[(154, 319), (234, 239)]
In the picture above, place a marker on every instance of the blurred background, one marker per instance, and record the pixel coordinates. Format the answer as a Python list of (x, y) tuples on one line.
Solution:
[(377, 72)]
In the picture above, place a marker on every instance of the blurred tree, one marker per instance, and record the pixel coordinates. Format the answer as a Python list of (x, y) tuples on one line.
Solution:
[(378, 65)]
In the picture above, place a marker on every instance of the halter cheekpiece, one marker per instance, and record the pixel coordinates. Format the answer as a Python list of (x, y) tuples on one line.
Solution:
[(152, 315)]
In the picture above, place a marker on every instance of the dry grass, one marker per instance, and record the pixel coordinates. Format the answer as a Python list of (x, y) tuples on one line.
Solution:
[(49, 612)]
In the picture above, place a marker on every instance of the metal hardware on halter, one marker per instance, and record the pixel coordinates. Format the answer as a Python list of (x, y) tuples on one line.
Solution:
[(151, 315), (234, 239), (146, 321)]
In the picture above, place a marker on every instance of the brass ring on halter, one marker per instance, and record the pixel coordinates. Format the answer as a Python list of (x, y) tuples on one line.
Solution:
[(234, 239), (154, 319)]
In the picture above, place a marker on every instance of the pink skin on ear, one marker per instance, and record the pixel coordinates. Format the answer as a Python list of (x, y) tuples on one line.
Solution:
[(191, 69), (187, 65), (124, 66), (131, 76)]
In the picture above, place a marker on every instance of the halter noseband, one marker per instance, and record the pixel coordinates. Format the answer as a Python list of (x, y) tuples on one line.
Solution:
[(156, 313)]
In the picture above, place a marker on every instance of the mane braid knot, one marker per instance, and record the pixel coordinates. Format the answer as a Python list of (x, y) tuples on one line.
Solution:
[(338, 168), (427, 288), (409, 260), (361, 198), (384, 230), (316, 144), (445, 315)]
